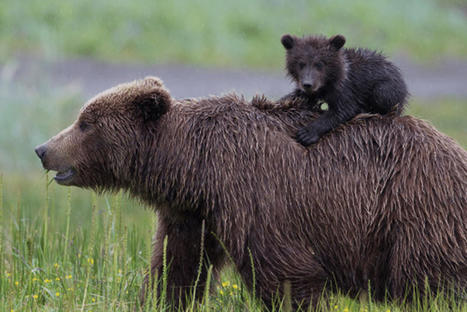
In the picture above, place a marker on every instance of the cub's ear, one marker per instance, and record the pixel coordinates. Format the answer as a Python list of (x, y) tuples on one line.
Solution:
[(337, 42), (288, 41), (152, 105)]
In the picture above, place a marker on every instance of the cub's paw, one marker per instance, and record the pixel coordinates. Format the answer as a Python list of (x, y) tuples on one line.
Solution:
[(306, 136)]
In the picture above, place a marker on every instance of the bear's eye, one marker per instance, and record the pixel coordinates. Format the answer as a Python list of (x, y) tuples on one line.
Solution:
[(301, 65), (319, 65), (83, 125)]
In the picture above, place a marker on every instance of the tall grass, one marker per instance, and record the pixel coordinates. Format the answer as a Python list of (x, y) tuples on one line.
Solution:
[(52, 261)]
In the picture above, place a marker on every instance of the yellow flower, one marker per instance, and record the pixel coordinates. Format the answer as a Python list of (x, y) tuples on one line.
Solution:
[(35, 279), (56, 265), (16, 283), (35, 296), (388, 310), (235, 286), (68, 276), (221, 292), (8, 274), (57, 278), (93, 299), (91, 261), (47, 281), (336, 307), (346, 310), (57, 294), (225, 284)]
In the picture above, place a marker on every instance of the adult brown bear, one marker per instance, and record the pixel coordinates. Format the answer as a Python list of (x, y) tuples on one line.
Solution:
[(380, 201)]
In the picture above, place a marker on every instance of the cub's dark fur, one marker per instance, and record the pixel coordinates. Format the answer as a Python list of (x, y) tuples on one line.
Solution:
[(350, 81)]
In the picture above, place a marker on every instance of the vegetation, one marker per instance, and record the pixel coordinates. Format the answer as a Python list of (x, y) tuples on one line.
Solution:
[(64, 249), (226, 33)]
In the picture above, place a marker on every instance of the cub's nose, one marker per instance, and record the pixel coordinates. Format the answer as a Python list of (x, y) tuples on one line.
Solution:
[(307, 85), (40, 150)]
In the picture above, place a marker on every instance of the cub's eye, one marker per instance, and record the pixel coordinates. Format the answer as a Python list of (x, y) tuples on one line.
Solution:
[(83, 125), (319, 65), (301, 65)]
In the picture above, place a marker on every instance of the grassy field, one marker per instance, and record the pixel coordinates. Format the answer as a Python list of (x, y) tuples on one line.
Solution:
[(65, 249), (72, 251), (225, 33)]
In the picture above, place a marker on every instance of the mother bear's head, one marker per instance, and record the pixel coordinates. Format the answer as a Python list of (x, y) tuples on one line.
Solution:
[(99, 150)]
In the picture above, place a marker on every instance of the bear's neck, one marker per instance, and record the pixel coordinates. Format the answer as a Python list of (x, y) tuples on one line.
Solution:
[(167, 172)]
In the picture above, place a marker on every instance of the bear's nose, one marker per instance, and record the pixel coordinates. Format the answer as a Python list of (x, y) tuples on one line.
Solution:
[(40, 151), (307, 85)]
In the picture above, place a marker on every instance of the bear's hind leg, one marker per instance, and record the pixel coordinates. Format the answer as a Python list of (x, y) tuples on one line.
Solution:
[(302, 281)]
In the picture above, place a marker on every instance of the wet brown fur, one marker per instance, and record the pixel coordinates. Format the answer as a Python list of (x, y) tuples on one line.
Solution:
[(380, 199)]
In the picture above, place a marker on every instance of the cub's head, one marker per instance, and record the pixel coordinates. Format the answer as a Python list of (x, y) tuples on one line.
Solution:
[(101, 148), (314, 62)]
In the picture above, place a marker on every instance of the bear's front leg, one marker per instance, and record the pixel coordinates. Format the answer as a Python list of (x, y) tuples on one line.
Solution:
[(185, 237)]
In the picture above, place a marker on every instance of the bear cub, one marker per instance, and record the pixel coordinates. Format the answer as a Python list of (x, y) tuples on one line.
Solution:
[(350, 81)]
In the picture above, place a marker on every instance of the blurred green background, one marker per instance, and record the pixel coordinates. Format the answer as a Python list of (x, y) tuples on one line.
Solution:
[(225, 35)]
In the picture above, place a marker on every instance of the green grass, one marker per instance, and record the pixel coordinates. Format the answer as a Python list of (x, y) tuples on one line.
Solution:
[(226, 33), (447, 115), (64, 249)]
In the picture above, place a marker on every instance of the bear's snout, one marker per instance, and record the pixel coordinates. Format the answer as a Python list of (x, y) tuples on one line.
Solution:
[(40, 151), (56, 154)]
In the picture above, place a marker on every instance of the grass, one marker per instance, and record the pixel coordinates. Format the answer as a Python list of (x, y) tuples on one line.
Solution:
[(67, 250), (225, 33), (447, 115)]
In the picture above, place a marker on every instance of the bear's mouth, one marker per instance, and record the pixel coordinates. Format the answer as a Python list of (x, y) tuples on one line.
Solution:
[(64, 176), (312, 90)]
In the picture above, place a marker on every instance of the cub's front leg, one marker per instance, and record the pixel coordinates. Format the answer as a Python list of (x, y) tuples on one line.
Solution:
[(338, 113)]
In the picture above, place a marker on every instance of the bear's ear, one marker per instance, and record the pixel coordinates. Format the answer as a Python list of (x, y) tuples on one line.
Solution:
[(337, 42), (152, 105), (288, 41)]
